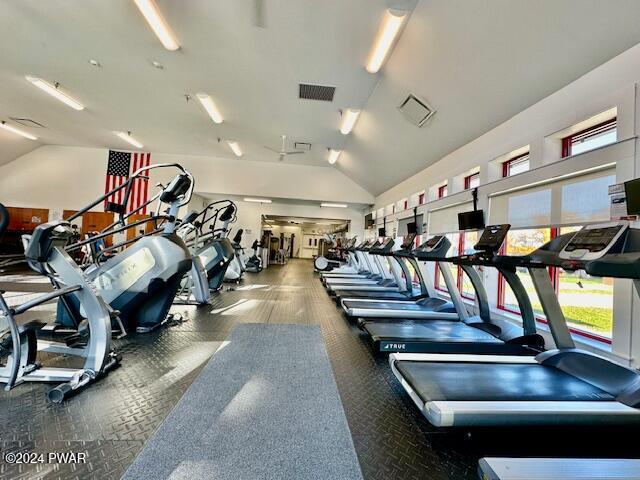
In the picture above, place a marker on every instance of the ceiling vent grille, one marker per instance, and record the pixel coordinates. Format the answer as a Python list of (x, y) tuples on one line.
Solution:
[(27, 122), (416, 110), (316, 92), (302, 146)]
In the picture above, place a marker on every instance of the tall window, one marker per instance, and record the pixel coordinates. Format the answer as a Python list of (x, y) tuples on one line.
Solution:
[(590, 138), (421, 199), (472, 181), (454, 251), (587, 302), (461, 243), (516, 165), (442, 191)]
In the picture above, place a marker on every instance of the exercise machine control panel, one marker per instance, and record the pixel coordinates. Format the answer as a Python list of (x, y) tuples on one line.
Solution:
[(492, 238), (407, 243), (593, 241), (431, 244)]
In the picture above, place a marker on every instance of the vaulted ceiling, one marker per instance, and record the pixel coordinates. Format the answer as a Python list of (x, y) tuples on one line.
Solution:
[(477, 63)]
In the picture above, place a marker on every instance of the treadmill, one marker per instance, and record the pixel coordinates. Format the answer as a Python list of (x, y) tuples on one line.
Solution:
[(392, 281), (428, 306), (564, 386), (374, 271), (407, 291), (478, 334), (354, 263)]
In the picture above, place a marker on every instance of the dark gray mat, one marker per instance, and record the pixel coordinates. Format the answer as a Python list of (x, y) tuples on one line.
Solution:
[(266, 406)]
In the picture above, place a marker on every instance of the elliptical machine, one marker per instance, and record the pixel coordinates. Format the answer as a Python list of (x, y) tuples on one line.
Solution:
[(19, 345), (254, 263), (141, 282), (237, 267)]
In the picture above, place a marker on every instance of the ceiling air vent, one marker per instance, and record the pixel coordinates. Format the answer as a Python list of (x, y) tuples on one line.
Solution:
[(27, 122), (316, 92), (417, 111), (302, 146)]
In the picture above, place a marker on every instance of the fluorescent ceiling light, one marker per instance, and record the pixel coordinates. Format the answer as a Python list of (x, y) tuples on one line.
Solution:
[(158, 24), (334, 205), (128, 138), (333, 156), (258, 200), (389, 28), (17, 131), (349, 119), (210, 107), (235, 148), (54, 91)]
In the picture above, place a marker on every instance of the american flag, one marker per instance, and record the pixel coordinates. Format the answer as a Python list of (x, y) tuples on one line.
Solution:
[(121, 165)]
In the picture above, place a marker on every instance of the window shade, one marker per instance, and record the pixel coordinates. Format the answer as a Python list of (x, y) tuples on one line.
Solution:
[(580, 199), (403, 222), (446, 219)]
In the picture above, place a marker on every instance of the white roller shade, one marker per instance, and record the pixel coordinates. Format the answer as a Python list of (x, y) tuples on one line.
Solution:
[(446, 220), (575, 200)]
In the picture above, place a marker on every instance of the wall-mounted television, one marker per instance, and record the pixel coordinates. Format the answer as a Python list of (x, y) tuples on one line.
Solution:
[(632, 192), (382, 232), (412, 228), (368, 221), (473, 220)]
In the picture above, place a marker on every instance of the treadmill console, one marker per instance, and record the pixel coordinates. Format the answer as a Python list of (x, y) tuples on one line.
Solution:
[(593, 241), (492, 238), (387, 244), (431, 244), (407, 243)]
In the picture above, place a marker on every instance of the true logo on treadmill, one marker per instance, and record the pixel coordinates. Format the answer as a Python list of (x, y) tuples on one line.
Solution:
[(395, 346)]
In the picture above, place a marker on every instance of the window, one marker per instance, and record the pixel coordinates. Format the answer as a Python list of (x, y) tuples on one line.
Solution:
[(406, 204), (421, 199), (454, 251), (469, 239), (461, 243), (472, 181), (442, 191), (516, 165), (587, 302), (591, 138)]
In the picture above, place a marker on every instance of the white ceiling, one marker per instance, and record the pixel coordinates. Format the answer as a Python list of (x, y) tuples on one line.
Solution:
[(476, 62)]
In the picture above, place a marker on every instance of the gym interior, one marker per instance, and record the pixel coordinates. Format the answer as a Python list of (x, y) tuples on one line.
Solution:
[(293, 239)]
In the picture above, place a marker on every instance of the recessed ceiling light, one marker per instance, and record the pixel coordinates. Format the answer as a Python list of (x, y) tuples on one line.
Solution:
[(17, 131), (349, 119), (257, 200), (389, 28), (210, 107), (126, 136), (157, 65), (333, 155), (235, 148), (95, 63), (334, 205), (158, 24), (54, 91)]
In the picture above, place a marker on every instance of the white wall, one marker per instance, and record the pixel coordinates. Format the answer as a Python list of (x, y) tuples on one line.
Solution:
[(67, 177), (612, 85)]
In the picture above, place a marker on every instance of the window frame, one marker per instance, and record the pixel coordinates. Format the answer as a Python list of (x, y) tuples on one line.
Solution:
[(602, 127), (421, 199), (554, 273), (506, 166), (442, 191), (469, 178)]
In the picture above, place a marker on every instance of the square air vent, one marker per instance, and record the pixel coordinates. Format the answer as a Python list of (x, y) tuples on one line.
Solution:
[(27, 122), (417, 111), (302, 146), (316, 92)]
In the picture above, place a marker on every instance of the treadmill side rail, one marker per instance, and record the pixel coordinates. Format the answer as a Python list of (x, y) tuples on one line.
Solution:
[(559, 469)]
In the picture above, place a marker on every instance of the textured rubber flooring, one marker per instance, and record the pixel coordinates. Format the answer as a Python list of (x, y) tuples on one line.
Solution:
[(111, 420)]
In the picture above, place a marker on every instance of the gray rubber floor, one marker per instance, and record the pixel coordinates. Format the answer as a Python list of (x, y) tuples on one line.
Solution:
[(266, 406)]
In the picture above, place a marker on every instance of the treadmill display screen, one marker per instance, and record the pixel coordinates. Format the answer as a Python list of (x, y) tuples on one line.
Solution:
[(492, 238), (387, 243), (431, 243), (593, 239), (408, 241)]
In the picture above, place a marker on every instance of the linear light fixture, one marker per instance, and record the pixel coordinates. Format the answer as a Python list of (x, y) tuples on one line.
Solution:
[(54, 91), (158, 24), (349, 119), (126, 136), (17, 131), (387, 33), (235, 148), (334, 205), (257, 200), (210, 107), (333, 155)]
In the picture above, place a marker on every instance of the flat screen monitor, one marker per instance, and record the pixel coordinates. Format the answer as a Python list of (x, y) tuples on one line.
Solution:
[(473, 220), (632, 192), (382, 232), (368, 221), (412, 228)]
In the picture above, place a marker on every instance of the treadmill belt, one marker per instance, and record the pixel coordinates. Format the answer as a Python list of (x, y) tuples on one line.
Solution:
[(466, 381), (429, 331), (365, 295), (410, 306)]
